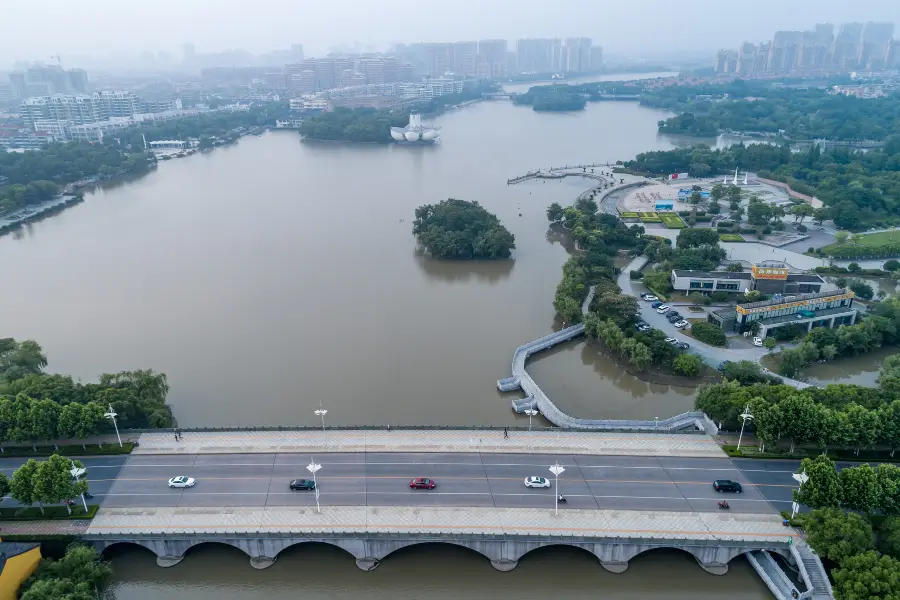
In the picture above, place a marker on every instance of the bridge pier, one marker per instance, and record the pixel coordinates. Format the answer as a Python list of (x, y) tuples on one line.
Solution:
[(614, 567), (504, 564), (261, 562), (713, 568), (367, 564), (168, 561)]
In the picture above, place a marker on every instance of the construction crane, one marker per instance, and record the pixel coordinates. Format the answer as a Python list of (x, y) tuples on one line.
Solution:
[(58, 59)]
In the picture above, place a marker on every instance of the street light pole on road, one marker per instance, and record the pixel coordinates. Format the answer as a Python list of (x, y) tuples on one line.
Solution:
[(557, 469), (312, 467), (800, 478), (531, 413), (744, 417), (76, 475), (321, 412), (111, 414)]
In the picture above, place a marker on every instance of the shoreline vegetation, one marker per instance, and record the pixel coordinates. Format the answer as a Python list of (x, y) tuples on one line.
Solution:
[(369, 125), (460, 230)]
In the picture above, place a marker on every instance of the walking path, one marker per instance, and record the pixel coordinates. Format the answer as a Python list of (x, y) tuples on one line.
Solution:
[(425, 440), (55, 527), (418, 519)]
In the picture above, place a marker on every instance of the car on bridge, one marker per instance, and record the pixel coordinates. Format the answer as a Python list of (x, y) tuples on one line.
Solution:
[(422, 483), (726, 485), (303, 485), (537, 482), (182, 481)]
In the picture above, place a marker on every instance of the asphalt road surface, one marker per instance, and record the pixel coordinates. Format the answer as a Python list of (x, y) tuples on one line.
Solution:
[(470, 479)]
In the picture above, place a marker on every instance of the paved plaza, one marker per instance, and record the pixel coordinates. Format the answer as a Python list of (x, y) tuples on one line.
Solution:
[(457, 440), (440, 520)]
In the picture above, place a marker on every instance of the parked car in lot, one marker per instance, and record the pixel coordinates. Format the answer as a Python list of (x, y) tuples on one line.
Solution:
[(303, 485), (683, 345), (644, 327), (649, 297), (726, 485), (663, 309), (671, 340), (422, 483), (681, 324), (537, 482), (656, 305), (757, 341), (673, 318)]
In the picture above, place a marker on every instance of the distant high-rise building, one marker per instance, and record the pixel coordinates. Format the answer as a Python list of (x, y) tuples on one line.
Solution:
[(391, 69), (746, 62), (464, 58), (296, 52), (494, 52), (535, 55), (406, 73), (845, 55), (875, 45), (596, 61), (726, 61), (894, 59), (373, 69), (784, 51), (578, 55), (78, 80)]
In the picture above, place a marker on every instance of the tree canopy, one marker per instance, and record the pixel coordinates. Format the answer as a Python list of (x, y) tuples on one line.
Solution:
[(459, 229)]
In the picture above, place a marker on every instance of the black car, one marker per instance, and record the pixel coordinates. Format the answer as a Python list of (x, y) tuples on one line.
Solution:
[(683, 346), (723, 365), (303, 484), (673, 318), (656, 305), (726, 485)]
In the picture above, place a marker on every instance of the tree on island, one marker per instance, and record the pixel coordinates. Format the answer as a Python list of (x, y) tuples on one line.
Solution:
[(461, 230)]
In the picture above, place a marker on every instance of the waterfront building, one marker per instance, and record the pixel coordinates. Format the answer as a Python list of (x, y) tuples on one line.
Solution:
[(820, 309), (766, 278)]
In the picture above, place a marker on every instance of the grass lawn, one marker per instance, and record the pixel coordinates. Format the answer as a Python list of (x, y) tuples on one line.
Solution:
[(629, 215), (730, 237), (649, 217), (672, 221), (74, 450), (871, 240), (33, 513)]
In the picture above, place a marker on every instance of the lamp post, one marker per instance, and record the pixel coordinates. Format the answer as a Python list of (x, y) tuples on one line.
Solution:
[(656, 422), (111, 414), (531, 413), (800, 478), (557, 469), (321, 412), (745, 416), (312, 467), (76, 475)]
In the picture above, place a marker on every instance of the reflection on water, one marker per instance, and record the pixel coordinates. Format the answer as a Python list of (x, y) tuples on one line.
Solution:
[(490, 271), (587, 384), (320, 572), (859, 370)]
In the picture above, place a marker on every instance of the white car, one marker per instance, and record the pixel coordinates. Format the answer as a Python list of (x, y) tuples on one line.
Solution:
[(182, 481), (650, 298), (663, 309), (537, 482), (757, 341), (681, 324), (671, 340)]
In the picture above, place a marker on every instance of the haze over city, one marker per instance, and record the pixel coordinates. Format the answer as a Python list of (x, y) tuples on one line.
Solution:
[(649, 28)]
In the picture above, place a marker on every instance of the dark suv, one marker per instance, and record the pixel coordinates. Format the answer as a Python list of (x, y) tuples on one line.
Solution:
[(726, 485), (303, 484)]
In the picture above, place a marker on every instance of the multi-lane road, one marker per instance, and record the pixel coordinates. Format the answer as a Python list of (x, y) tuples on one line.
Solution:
[(463, 479)]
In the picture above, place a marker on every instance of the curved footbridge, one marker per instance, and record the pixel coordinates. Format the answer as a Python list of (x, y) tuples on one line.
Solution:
[(535, 398)]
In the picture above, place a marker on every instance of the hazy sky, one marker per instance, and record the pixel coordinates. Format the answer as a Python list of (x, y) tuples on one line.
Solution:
[(36, 29)]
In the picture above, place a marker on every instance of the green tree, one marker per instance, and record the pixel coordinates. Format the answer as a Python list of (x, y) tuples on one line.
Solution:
[(888, 539), (621, 308), (867, 576), (4, 486), (770, 423), (820, 215), (709, 334), (769, 343), (859, 489), (801, 211), (891, 265), (717, 192), (888, 476), (836, 535), (21, 486), (457, 229), (555, 213), (823, 488), (69, 420), (694, 238), (687, 365), (53, 481), (863, 426), (18, 359), (58, 589), (841, 236)]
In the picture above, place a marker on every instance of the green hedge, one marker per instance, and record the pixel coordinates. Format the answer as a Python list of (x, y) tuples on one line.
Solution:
[(73, 450), (708, 333), (51, 513), (672, 221), (860, 251), (629, 215), (750, 451), (730, 237)]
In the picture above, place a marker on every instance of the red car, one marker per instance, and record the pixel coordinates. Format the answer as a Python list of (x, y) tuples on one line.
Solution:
[(422, 483)]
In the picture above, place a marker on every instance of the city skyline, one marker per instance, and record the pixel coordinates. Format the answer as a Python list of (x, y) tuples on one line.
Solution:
[(214, 27)]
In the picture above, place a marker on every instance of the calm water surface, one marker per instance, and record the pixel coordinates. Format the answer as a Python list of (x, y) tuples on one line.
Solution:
[(319, 572), (270, 276)]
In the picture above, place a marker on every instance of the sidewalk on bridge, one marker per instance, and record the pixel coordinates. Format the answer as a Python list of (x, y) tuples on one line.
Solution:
[(422, 520), (438, 440), (56, 527)]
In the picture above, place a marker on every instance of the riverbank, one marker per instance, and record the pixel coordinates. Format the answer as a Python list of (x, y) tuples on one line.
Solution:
[(39, 212)]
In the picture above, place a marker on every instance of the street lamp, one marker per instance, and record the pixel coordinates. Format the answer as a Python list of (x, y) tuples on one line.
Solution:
[(321, 412), (800, 478), (557, 469), (531, 412), (656, 422), (111, 414), (745, 416), (76, 475), (312, 467)]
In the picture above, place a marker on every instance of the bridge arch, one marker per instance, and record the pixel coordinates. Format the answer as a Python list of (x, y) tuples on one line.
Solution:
[(123, 543)]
